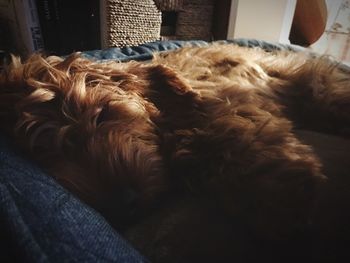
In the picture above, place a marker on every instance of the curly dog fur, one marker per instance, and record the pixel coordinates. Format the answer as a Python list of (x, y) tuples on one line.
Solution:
[(216, 121)]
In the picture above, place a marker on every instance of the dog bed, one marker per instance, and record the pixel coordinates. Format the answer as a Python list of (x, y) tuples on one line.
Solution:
[(42, 222)]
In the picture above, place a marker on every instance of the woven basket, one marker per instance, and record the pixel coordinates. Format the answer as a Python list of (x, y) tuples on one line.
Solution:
[(195, 21), (129, 22), (169, 5)]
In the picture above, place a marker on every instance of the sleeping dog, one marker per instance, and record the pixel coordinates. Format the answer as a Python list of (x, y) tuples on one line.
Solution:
[(201, 137)]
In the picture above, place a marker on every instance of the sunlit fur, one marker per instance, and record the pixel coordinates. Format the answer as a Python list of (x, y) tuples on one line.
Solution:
[(214, 120)]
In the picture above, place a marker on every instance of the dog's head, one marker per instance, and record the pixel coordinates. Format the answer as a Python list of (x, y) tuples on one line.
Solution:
[(92, 125)]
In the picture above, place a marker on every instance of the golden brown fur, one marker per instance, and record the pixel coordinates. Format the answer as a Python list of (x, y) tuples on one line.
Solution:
[(216, 121)]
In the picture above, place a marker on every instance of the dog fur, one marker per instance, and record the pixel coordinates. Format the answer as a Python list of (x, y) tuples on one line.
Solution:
[(214, 121)]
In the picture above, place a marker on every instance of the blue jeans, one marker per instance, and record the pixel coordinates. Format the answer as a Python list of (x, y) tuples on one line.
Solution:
[(41, 222)]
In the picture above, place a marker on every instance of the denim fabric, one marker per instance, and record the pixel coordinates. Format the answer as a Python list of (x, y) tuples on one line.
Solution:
[(145, 51), (41, 222), (141, 52)]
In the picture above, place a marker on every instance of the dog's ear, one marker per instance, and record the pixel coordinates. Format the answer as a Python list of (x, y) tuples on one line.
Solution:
[(165, 79), (173, 96), (168, 90)]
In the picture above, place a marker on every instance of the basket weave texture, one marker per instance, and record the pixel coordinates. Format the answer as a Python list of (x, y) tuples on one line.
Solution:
[(195, 21), (132, 22), (169, 5)]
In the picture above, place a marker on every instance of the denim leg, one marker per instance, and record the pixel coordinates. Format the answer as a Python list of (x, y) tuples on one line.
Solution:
[(42, 222)]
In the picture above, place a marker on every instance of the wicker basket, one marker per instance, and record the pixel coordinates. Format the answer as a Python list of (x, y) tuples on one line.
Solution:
[(195, 21), (133, 22), (129, 22), (169, 5)]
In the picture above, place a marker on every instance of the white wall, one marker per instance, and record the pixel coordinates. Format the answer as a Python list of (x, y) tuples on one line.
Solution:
[(335, 40), (333, 10), (268, 20)]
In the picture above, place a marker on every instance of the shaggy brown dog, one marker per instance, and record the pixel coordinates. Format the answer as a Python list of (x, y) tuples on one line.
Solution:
[(216, 121)]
